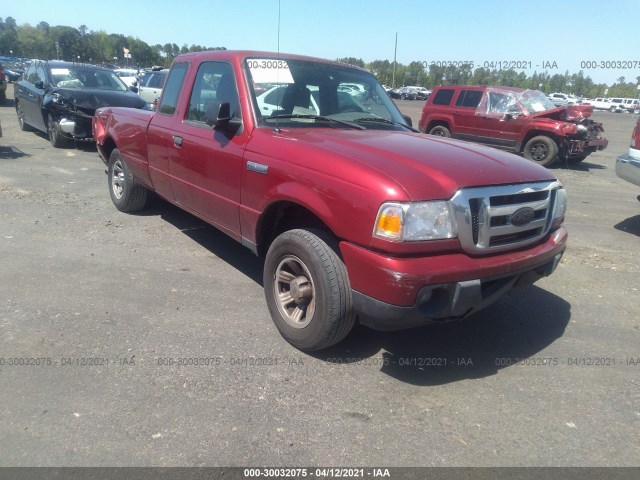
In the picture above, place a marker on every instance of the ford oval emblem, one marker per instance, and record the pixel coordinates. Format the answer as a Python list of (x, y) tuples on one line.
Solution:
[(523, 216)]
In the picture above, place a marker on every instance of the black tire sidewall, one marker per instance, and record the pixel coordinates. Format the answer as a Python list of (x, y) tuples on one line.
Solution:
[(552, 150), (118, 202), (311, 336), (446, 133)]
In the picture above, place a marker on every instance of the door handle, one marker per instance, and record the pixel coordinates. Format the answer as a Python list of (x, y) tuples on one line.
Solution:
[(177, 141)]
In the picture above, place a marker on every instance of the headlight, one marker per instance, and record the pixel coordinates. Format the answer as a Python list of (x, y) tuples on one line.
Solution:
[(406, 222), (60, 100), (560, 207)]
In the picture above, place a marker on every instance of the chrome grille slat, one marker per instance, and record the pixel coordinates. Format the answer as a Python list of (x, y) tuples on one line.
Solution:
[(484, 215)]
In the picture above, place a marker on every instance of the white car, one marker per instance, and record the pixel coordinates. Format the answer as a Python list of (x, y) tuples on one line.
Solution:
[(631, 104), (599, 103), (617, 105), (150, 85), (271, 100), (563, 99), (127, 75)]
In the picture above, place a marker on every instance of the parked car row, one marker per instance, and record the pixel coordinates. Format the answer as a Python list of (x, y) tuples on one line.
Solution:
[(614, 105), (409, 93)]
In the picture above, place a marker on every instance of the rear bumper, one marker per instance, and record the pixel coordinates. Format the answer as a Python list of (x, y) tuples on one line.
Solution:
[(393, 293), (628, 168)]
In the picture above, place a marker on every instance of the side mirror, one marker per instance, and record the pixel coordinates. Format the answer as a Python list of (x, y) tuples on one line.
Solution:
[(221, 118), (407, 120), (39, 85), (134, 89)]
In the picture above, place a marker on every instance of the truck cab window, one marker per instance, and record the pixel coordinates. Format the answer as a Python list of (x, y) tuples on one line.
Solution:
[(172, 88)]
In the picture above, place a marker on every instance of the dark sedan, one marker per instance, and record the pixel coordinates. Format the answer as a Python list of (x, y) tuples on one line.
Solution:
[(60, 98)]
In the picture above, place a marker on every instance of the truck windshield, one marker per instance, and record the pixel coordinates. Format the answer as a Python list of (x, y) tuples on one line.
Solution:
[(304, 93)]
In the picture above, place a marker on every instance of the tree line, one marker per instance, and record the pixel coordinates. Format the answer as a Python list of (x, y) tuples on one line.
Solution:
[(81, 44), (73, 44)]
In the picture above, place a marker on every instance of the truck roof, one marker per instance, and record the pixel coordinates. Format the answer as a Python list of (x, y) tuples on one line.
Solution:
[(242, 54)]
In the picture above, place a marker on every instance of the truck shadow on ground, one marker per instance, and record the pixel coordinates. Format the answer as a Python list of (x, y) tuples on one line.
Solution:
[(221, 245), (583, 166), (630, 225), (517, 328), (509, 333)]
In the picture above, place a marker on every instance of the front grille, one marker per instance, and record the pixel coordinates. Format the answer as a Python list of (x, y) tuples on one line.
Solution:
[(490, 219)]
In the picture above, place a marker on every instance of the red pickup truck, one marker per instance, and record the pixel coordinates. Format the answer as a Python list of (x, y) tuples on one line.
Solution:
[(359, 217)]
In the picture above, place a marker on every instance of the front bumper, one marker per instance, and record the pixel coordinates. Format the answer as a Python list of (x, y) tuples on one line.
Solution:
[(76, 127), (393, 293), (628, 168)]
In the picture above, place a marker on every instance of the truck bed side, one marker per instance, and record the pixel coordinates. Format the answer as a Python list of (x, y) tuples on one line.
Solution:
[(126, 128)]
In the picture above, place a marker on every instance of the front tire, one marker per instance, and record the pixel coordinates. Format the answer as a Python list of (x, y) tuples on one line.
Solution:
[(440, 131), (541, 150), (57, 139), (307, 289), (126, 193)]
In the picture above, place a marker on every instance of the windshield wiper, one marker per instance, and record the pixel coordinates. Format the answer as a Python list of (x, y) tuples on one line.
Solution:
[(317, 117), (384, 120)]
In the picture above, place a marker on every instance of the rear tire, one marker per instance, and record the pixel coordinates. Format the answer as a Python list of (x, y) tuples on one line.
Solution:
[(440, 131), (21, 123), (541, 150), (307, 289), (126, 193)]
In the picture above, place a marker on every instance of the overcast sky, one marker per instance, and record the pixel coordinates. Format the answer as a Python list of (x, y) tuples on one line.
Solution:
[(558, 35)]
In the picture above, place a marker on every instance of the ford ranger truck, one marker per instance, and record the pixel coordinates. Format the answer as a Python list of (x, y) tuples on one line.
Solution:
[(358, 216), (513, 119)]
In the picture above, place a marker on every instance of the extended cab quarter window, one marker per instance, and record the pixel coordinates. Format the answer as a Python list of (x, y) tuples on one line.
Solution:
[(443, 97), (469, 98), (172, 89), (215, 84)]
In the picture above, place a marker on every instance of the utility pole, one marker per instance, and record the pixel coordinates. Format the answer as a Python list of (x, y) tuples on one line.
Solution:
[(395, 51)]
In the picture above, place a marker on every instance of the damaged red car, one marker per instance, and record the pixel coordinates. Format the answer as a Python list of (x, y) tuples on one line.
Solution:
[(513, 119)]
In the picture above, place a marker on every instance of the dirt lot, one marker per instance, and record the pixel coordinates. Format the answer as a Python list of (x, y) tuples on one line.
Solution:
[(112, 312)]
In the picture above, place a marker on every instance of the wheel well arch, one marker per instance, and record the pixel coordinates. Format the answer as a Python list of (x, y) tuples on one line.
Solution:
[(282, 216), (107, 146)]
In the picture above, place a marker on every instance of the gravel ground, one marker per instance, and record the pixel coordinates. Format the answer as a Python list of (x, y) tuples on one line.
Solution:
[(108, 301)]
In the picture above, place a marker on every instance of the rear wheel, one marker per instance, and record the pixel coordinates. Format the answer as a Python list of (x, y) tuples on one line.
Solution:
[(307, 289), (20, 112), (612, 109), (541, 150), (57, 139), (126, 193), (440, 131)]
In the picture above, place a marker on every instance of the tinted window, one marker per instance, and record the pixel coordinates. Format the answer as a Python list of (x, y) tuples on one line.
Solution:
[(172, 89), (157, 80), (469, 98), (443, 97)]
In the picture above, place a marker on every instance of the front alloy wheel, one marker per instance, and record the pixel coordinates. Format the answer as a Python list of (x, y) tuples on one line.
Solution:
[(57, 139), (307, 289), (541, 150)]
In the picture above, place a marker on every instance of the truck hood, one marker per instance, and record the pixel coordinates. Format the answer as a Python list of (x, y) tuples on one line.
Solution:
[(426, 167), (570, 113)]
